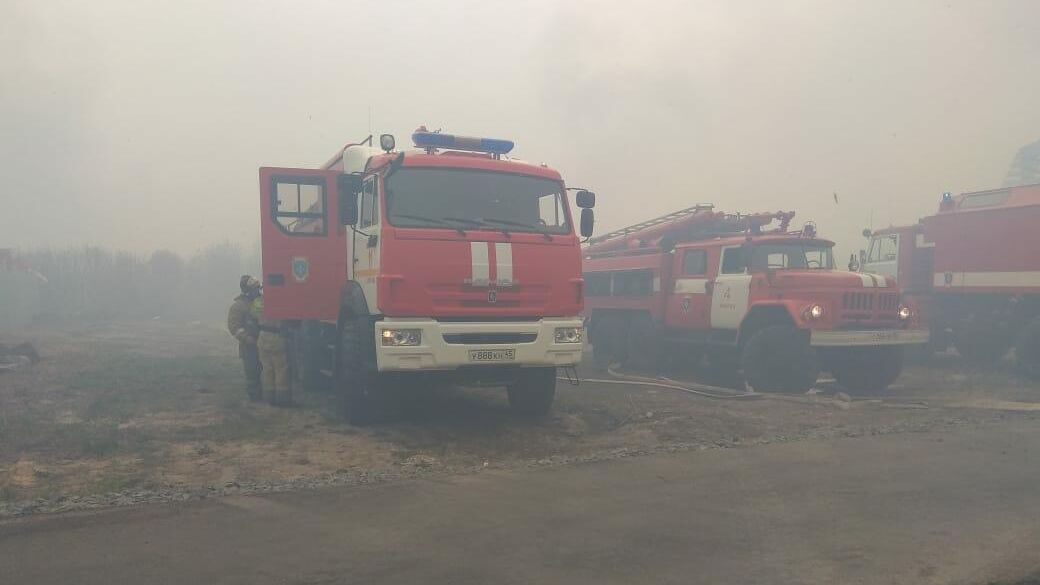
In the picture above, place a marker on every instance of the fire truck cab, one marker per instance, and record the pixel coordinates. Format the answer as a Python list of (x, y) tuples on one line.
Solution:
[(973, 272), (451, 259), (700, 284)]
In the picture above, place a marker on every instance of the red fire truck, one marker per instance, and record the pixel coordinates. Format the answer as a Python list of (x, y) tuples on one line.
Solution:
[(743, 295), (972, 269), (453, 259)]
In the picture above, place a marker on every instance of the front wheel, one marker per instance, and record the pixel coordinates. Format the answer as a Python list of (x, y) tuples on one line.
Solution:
[(778, 358), (356, 377), (867, 369), (533, 393)]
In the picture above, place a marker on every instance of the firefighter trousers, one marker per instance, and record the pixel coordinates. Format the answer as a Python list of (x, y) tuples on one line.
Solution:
[(275, 372), (251, 368)]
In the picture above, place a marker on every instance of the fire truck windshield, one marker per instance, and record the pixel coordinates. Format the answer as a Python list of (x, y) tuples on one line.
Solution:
[(469, 199), (791, 255)]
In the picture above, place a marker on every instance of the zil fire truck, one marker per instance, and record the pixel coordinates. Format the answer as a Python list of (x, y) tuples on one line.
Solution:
[(452, 259), (973, 270), (740, 294)]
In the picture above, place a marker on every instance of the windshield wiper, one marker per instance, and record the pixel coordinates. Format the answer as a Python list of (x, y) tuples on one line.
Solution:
[(539, 229), (473, 222), (432, 220)]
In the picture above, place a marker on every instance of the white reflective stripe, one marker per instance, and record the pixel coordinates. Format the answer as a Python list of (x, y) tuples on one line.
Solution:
[(880, 280), (923, 244), (691, 285), (868, 281), (480, 268), (987, 279), (657, 284), (504, 263)]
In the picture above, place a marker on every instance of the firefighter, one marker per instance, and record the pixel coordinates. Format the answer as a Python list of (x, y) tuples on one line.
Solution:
[(244, 327), (274, 359)]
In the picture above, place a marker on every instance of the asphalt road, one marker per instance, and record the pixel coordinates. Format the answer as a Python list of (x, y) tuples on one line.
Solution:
[(954, 506)]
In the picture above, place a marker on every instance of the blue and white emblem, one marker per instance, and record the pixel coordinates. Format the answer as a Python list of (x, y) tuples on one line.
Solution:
[(301, 268)]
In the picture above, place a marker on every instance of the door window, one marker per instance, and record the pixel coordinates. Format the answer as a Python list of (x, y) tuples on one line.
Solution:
[(694, 262), (369, 210), (733, 261), (884, 249), (298, 205)]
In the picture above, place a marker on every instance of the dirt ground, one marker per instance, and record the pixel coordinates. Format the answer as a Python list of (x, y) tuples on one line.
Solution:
[(153, 406)]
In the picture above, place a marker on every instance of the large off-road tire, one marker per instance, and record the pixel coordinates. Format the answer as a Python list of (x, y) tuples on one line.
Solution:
[(310, 354), (642, 344), (1027, 351), (608, 341), (357, 380), (533, 393), (778, 358), (867, 369), (980, 344)]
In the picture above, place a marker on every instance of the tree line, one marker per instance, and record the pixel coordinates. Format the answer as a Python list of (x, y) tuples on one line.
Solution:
[(93, 283)]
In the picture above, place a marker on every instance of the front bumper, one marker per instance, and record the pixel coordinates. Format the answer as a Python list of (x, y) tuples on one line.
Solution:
[(435, 353), (844, 338)]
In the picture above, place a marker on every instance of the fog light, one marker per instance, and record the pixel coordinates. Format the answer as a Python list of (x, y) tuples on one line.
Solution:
[(905, 312), (401, 337), (567, 335), (814, 312)]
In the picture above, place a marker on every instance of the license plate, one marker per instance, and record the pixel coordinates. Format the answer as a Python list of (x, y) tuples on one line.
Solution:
[(492, 355), (885, 335)]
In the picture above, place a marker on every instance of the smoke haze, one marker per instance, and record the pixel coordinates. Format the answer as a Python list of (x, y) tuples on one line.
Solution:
[(140, 125)]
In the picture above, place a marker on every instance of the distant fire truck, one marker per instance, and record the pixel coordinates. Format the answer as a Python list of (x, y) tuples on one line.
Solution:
[(974, 271), (452, 259), (701, 284)]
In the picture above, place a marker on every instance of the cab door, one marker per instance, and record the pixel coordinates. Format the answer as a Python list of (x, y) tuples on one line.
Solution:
[(689, 302), (366, 236), (302, 244), (732, 290)]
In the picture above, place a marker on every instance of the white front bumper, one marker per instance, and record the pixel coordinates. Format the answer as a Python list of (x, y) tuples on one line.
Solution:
[(867, 338), (434, 353)]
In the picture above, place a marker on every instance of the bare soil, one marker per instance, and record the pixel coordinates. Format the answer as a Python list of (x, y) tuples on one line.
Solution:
[(138, 407)]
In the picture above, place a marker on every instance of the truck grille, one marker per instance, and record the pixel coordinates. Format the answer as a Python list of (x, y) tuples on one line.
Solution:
[(868, 301), (489, 338)]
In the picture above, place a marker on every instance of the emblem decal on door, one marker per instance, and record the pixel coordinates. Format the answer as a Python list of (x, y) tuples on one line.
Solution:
[(686, 305), (301, 268), (492, 296)]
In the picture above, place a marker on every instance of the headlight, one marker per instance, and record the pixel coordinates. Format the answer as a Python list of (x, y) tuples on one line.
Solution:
[(905, 312), (401, 337), (567, 335), (814, 312)]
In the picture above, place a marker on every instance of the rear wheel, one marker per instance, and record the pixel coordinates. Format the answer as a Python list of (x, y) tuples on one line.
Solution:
[(356, 377), (867, 369), (778, 358), (980, 344), (641, 343), (1027, 351), (533, 393)]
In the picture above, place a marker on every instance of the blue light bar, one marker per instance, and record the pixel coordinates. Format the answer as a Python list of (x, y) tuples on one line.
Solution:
[(423, 139)]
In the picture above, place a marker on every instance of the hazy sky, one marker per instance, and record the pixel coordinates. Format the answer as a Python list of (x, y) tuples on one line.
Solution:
[(141, 125)]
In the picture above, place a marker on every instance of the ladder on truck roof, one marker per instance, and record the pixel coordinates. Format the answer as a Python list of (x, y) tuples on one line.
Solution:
[(651, 222)]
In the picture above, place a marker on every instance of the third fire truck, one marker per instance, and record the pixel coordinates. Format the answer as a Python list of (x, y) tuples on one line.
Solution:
[(449, 261), (744, 292), (974, 271)]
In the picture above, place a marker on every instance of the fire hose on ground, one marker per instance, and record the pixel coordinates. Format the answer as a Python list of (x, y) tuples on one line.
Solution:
[(704, 390)]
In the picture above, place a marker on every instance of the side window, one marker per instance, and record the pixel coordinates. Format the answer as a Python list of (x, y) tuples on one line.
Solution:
[(635, 283), (733, 261), (550, 211), (694, 262), (369, 209), (299, 205)]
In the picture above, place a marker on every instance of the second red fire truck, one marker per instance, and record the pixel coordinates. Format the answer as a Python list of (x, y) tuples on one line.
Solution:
[(973, 269), (451, 260), (744, 292)]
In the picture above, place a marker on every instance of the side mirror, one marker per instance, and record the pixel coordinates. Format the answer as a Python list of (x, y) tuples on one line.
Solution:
[(862, 257), (587, 221), (585, 199), (347, 187), (853, 263), (386, 142), (867, 233)]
